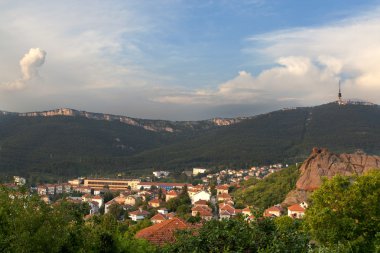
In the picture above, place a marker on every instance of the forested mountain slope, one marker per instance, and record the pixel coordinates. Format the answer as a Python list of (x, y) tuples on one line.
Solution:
[(68, 146)]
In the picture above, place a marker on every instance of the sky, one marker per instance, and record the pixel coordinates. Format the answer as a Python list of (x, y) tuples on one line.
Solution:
[(186, 60)]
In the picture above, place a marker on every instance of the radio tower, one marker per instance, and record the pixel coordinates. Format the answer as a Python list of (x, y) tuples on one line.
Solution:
[(340, 101)]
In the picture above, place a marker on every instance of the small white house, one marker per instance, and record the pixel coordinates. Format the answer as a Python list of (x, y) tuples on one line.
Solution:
[(201, 195), (197, 171), (138, 215)]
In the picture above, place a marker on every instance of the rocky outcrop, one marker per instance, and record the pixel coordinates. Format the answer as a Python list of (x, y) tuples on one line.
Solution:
[(322, 163)]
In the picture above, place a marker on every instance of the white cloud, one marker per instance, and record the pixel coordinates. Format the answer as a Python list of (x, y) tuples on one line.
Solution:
[(308, 64), (30, 63)]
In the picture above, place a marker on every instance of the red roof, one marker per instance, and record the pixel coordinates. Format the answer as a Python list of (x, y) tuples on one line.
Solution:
[(139, 212), (172, 193), (200, 202), (158, 217), (296, 208), (163, 232), (222, 187)]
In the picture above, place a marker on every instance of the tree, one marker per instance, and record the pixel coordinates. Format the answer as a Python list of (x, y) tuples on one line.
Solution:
[(345, 210)]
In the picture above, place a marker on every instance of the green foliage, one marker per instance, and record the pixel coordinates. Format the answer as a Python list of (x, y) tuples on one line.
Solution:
[(181, 204), (347, 210), (237, 235), (269, 191)]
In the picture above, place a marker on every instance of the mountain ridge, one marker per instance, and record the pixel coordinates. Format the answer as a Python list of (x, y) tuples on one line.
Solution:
[(73, 146), (148, 124)]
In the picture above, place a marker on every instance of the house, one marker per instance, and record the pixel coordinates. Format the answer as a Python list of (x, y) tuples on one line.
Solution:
[(201, 195), (162, 233), (58, 189), (204, 212), (170, 215), (197, 171), (170, 195), (296, 211), (223, 197), (131, 200), (138, 215), (161, 173), (158, 218), (200, 203), (98, 199), (246, 211), (94, 207), (227, 211), (162, 210), (50, 189), (154, 203), (41, 190), (66, 188), (220, 189), (274, 211)]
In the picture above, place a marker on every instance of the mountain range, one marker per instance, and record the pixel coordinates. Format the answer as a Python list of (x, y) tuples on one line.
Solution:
[(65, 142)]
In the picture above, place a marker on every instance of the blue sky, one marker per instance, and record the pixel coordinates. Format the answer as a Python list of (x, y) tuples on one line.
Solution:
[(186, 60)]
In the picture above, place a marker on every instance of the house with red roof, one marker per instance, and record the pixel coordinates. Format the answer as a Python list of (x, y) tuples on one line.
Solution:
[(138, 214), (220, 189), (171, 194), (155, 203), (273, 211), (158, 218), (164, 232), (204, 212), (296, 211), (223, 197)]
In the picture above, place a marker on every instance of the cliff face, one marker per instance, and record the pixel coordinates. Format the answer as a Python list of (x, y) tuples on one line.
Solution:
[(322, 163), (150, 125)]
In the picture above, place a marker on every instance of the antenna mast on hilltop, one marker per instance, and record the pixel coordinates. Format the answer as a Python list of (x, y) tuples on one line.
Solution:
[(340, 101)]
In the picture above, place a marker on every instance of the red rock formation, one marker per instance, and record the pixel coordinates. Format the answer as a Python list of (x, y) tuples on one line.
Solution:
[(322, 163)]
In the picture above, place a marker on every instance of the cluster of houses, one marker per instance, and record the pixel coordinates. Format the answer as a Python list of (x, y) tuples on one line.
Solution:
[(236, 175)]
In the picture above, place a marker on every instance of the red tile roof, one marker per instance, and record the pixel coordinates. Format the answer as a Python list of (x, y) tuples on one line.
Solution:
[(163, 232), (200, 202), (158, 217), (172, 193), (222, 187), (139, 212), (296, 208)]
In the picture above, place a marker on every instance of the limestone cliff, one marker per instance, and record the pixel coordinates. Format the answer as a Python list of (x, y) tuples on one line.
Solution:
[(150, 125), (322, 163)]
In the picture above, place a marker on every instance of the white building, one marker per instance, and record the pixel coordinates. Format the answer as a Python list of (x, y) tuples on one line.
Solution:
[(19, 180), (201, 195), (197, 171), (160, 174)]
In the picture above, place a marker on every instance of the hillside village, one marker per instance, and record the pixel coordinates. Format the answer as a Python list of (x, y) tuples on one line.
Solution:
[(159, 202)]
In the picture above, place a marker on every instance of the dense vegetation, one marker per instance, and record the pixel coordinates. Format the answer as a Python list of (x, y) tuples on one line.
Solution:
[(269, 191), (59, 147), (344, 216)]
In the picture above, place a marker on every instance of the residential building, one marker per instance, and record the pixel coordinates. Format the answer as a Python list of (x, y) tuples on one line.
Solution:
[(296, 211), (164, 232), (158, 218), (201, 195), (274, 211), (138, 215), (170, 195), (197, 171)]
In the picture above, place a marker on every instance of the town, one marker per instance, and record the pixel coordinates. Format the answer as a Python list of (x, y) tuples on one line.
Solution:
[(163, 202)]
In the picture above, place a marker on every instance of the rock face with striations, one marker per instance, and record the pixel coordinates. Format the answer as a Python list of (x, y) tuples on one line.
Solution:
[(322, 163)]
